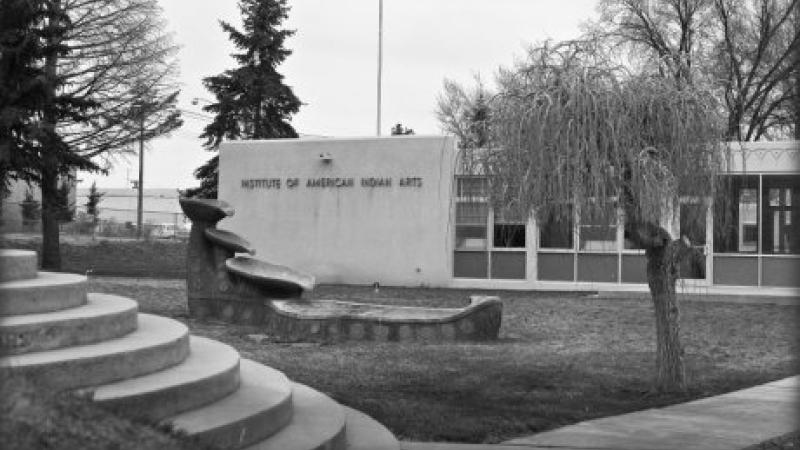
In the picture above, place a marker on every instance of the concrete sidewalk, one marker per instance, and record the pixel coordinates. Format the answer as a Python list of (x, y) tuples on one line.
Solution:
[(730, 421)]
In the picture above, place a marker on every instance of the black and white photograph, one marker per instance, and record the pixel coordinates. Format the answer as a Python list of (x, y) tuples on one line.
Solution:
[(400, 225)]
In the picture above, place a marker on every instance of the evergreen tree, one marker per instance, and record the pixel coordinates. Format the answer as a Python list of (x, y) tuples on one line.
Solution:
[(252, 102), (71, 78), (29, 32), (93, 202), (66, 208), (400, 130), (31, 209)]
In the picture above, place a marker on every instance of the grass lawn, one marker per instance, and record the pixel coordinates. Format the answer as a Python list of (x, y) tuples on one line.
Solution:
[(561, 358), (33, 417)]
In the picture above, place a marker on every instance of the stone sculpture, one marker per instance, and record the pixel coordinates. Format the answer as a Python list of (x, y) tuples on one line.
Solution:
[(222, 283)]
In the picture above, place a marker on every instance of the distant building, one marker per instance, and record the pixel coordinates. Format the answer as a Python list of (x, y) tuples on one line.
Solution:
[(397, 211), (11, 205), (120, 204)]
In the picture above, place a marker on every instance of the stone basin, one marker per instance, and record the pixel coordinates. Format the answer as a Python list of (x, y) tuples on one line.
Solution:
[(205, 209), (269, 276), (333, 320), (229, 240), (335, 309)]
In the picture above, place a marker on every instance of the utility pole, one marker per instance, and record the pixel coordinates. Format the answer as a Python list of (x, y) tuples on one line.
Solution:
[(380, 61), (140, 199)]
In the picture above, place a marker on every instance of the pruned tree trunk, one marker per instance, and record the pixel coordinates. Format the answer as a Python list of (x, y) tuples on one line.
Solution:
[(662, 273)]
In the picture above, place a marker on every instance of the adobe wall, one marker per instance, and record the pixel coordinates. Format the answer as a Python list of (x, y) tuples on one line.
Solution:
[(350, 210)]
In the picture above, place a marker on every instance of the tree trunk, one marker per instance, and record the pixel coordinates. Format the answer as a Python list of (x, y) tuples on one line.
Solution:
[(51, 252), (662, 273), (51, 248), (663, 258)]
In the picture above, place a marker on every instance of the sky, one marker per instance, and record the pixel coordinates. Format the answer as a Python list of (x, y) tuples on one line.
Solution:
[(333, 67)]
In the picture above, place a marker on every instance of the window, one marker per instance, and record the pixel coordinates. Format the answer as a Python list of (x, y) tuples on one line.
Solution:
[(488, 245), (471, 223), (509, 230), (557, 231), (693, 223), (748, 220), (780, 215), (509, 235), (471, 188), (736, 216), (472, 213), (598, 234)]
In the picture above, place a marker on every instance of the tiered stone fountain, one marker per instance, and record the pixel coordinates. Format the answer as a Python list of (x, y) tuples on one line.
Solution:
[(245, 290), (53, 332)]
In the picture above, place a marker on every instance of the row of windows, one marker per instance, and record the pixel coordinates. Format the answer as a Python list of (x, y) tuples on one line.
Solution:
[(751, 207), (758, 214)]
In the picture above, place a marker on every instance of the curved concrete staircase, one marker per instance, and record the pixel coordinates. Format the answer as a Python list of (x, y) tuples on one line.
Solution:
[(53, 331)]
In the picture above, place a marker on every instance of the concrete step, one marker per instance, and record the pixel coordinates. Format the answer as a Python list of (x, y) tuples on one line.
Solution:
[(318, 423), (17, 264), (103, 317), (157, 343), (260, 407), (365, 433), (49, 291), (209, 373)]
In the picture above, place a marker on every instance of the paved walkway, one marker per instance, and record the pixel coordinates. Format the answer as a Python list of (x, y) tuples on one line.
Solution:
[(730, 421)]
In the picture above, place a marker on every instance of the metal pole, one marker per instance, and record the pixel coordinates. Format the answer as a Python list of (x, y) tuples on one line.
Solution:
[(140, 199), (380, 61)]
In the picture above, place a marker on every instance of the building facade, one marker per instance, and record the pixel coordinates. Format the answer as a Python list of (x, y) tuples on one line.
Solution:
[(396, 211)]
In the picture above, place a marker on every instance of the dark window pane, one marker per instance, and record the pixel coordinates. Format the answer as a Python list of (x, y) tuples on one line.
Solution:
[(508, 265), (556, 232), (736, 215), (693, 223), (780, 215), (509, 235), (556, 266), (470, 264), (693, 265)]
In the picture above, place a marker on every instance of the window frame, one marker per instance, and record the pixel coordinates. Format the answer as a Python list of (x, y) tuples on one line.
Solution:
[(491, 220)]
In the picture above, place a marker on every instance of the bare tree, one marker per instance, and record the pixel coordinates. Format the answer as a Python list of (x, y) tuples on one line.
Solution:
[(465, 114), (796, 80), (747, 48), (571, 134), (110, 83)]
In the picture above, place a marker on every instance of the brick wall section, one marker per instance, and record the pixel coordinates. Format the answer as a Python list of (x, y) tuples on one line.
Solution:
[(153, 259)]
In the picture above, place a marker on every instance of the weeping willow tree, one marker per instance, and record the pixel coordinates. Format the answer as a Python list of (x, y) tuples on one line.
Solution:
[(573, 136)]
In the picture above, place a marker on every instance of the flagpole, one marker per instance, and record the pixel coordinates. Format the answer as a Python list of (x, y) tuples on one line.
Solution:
[(380, 62)]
